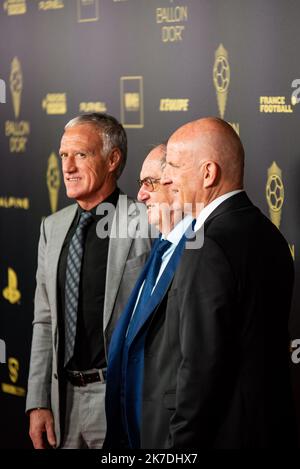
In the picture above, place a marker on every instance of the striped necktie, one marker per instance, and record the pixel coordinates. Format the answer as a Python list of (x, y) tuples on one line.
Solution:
[(73, 270)]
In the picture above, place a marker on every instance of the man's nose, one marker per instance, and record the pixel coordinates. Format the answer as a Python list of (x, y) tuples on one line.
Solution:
[(143, 195), (69, 164)]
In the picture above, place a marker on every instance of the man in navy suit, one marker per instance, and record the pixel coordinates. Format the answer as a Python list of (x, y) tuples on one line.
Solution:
[(126, 351)]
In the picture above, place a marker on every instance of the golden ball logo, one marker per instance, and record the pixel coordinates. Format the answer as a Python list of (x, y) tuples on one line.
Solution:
[(221, 74), (275, 192), (53, 178), (221, 77)]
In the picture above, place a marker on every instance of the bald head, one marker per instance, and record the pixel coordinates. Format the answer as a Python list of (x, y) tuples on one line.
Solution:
[(157, 154), (214, 139), (209, 157)]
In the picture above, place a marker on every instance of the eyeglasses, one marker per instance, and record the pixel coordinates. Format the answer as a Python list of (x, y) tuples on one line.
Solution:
[(150, 184)]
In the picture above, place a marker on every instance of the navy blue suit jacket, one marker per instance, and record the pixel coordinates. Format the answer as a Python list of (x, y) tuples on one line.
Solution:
[(124, 352)]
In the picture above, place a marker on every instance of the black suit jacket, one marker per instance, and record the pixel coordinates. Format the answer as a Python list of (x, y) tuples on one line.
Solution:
[(217, 351)]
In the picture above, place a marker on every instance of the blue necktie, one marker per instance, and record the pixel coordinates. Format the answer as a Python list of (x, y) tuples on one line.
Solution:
[(149, 283), (73, 270), (125, 373), (136, 384)]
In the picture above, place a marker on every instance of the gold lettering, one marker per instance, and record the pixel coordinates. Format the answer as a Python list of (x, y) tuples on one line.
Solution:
[(172, 33), (14, 202), (172, 14), (273, 108), (174, 104), (271, 104), (17, 129), (51, 5), (14, 390), (92, 107), (15, 7), (53, 97), (17, 144), (55, 103), (272, 100)]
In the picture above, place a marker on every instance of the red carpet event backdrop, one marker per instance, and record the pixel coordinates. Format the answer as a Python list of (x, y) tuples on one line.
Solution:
[(155, 65)]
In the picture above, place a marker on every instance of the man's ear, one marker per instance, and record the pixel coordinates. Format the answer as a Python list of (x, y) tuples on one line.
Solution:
[(114, 159), (211, 173)]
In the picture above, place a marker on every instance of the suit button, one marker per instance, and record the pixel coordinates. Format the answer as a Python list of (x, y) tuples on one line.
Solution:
[(55, 376)]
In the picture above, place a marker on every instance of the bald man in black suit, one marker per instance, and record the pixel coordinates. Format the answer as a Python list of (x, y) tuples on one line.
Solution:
[(216, 369)]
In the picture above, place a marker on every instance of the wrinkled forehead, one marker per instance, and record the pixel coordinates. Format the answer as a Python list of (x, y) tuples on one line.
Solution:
[(81, 134), (152, 169), (182, 151)]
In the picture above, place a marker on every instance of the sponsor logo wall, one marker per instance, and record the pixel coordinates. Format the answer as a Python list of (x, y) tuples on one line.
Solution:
[(154, 65)]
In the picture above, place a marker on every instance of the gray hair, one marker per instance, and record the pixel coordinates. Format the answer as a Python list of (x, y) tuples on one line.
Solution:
[(112, 133)]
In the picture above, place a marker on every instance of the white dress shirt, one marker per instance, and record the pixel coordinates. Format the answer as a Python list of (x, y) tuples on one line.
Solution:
[(178, 231), (174, 237)]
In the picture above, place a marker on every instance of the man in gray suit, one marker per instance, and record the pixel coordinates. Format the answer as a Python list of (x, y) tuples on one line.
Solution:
[(66, 384)]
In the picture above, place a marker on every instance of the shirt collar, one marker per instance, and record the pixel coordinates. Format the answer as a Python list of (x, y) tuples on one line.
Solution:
[(111, 199), (206, 211), (178, 231)]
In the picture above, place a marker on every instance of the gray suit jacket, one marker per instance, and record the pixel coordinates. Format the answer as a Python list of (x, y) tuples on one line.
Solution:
[(126, 256)]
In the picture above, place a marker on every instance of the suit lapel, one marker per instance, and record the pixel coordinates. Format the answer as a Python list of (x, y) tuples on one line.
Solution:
[(56, 240), (115, 356), (160, 289), (123, 322), (118, 251)]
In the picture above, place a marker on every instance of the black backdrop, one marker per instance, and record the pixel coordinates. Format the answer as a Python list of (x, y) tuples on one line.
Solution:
[(154, 64)]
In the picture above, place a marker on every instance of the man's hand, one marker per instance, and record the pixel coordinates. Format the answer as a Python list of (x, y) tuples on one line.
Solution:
[(41, 430)]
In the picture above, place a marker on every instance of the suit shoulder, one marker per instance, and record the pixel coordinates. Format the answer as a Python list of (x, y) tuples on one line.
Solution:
[(59, 216), (248, 236), (246, 223)]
